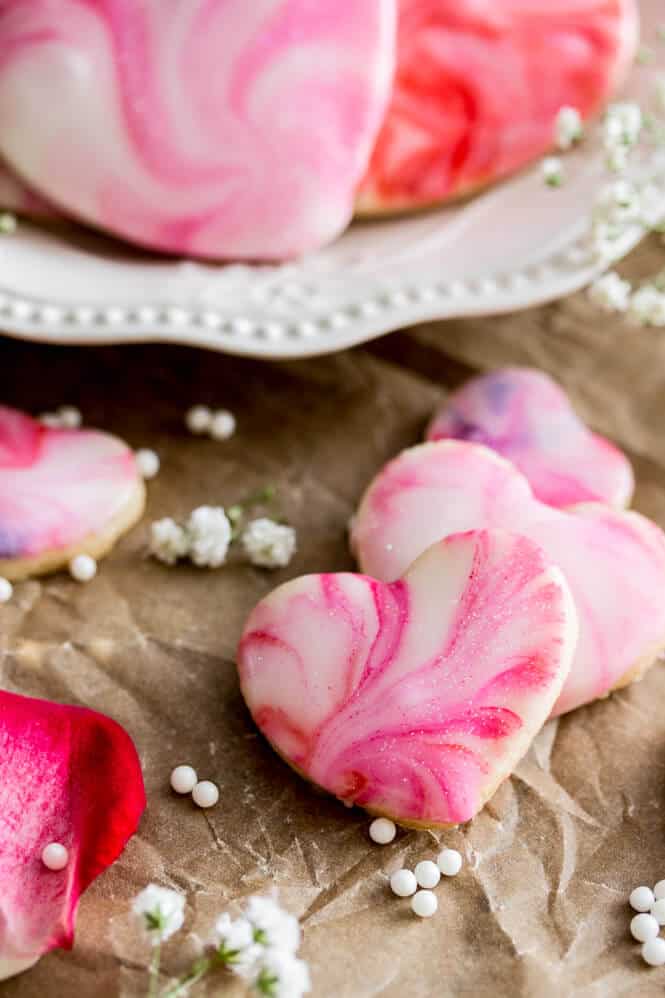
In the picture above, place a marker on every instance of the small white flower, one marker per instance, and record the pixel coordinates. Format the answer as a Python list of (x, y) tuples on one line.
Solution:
[(552, 170), (282, 975), (161, 911), (209, 533), (660, 93), (269, 544), (8, 223), (611, 293), (568, 128), (235, 939), (647, 306), (618, 203), (273, 927), (622, 125), (617, 159), (168, 541)]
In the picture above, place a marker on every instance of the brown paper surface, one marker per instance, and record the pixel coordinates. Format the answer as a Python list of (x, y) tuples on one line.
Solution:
[(540, 908)]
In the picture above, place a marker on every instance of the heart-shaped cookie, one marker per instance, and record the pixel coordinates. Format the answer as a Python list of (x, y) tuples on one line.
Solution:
[(478, 87), (223, 128), (62, 492), (614, 561), (524, 415), (417, 698), (67, 775)]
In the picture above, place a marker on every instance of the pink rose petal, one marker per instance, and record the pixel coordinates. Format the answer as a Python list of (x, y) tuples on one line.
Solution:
[(67, 775), (417, 698)]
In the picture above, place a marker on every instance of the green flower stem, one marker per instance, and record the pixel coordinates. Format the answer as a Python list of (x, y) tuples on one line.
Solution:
[(153, 989), (198, 970)]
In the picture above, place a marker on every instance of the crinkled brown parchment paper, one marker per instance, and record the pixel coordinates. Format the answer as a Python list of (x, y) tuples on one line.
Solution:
[(540, 907)]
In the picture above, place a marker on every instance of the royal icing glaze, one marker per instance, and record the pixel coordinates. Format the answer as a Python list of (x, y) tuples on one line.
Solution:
[(221, 128), (478, 87), (614, 561), (60, 489), (413, 699), (526, 417)]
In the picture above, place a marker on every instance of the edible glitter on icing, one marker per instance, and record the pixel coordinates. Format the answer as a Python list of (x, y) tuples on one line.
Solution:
[(413, 699)]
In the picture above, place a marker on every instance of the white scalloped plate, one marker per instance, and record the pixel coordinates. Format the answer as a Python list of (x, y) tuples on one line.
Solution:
[(516, 245)]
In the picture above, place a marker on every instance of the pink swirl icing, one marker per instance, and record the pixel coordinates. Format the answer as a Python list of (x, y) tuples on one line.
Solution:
[(524, 415), (414, 699), (478, 86), (16, 197), (614, 561), (217, 128), (58, 487)]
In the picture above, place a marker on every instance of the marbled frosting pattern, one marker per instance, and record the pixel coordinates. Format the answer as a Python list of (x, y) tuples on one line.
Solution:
[(614, 561), (58, 487), (413, 699), (526, 417), (219, 128), (478, 87)]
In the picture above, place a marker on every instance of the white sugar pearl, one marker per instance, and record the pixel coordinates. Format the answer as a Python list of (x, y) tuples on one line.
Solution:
[(659, 890), (449, 861), (205, 794), (424, 904), (83, 568), (70, 417), (403, 883), (184, 779), (641, 898), (6, 590), (658, 911), (199, 419), (653, 952), (427, 873), (223, 425), (55, 856), (147, 461), (643, 927), (382, 831)]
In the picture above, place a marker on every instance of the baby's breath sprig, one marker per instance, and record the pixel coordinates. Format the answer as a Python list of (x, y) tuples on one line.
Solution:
[(260, 946)]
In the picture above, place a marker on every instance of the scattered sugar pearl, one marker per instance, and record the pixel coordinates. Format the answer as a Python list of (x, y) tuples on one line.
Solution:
[(427, 873), (424, 904), (449, 862), (205, 794), (147, 461), (70, 417), (6, 590), (184, 779), (641, 898), (403, 883), (653, 952), (382, 831), (659, 890), (55, 856), (83, 568), (658, 911), (199, 419), (643, 927), (223, 425)]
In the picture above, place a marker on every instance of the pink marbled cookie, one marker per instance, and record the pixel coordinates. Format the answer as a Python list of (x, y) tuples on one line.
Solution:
[(223, 128), (614, 561), (525, 416), (62, 492), (417, 698), (16, 197)]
